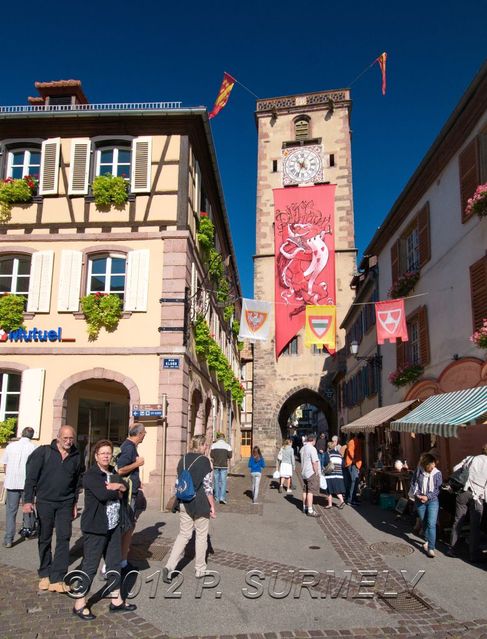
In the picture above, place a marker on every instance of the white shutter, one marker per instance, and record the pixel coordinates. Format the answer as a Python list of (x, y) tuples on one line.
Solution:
[(137, 281), (51, 150), (39, 299), (30, 406), (69, 281), (79, 166), (193, 291), (141, 165), (197, 188)]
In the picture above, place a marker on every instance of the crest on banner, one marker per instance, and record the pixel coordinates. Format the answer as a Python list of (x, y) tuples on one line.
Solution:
[(391, 321)]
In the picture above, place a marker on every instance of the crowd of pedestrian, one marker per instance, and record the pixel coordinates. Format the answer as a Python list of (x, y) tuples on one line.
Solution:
[(48, 479)]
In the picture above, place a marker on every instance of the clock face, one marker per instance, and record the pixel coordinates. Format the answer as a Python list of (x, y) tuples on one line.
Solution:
[(302, 165)]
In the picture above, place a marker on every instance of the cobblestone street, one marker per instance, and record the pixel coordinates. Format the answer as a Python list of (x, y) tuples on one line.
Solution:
[(275, 536)]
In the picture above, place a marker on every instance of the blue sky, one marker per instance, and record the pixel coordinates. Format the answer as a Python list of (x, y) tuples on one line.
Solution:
[(125, 51)]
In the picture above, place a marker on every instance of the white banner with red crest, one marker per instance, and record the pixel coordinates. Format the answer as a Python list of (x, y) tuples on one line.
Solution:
[(255, 323), (305, 255), (391, 321)]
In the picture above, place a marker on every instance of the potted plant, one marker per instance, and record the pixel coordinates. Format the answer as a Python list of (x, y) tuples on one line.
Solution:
[(101, 310), (11, 312), (406, 374), (479, 338), (14, 191), (110, 190), (404, 284), (478, 202)]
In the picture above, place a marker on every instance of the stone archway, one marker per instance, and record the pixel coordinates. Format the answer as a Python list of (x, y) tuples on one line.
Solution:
[(292, 399), (60, 402)]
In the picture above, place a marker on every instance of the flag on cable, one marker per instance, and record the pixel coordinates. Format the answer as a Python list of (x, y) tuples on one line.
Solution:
[(223, 95), (320, 327), (391, 321), (255, 320), (382, 60)]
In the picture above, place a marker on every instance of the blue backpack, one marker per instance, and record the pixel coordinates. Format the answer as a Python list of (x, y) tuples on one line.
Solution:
[(184, 483)]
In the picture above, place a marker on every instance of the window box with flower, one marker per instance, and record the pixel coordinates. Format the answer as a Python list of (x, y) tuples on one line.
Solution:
[(405, 375), (479, 338), (404, 284), (16, 191), (478, 202), (101, 310), (110, 190)]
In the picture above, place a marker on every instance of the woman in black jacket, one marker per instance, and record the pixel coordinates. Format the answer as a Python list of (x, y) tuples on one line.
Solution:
[(100, 524)]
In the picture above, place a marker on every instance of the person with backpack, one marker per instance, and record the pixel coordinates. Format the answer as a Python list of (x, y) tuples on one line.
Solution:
[(194, 494), (457, 484), (53, 481)]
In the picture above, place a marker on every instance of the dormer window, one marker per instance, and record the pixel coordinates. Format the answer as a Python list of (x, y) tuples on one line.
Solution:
[(22, 162), (114, 160)]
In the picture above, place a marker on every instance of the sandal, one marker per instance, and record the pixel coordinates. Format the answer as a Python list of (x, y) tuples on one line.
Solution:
[(326, 507), (79, 613), (342, 505), (123, 607)]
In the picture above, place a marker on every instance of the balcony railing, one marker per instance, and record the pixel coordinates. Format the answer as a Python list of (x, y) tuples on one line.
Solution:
[(111, 106)]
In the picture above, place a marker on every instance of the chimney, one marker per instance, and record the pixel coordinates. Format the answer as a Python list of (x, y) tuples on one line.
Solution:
[(59, 92)]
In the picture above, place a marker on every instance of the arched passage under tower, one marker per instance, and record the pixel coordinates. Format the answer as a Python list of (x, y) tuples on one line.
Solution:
[(306, 411)]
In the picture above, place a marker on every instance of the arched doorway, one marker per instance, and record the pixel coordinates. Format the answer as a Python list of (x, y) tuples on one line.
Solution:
[(197, 426), (304, 411)]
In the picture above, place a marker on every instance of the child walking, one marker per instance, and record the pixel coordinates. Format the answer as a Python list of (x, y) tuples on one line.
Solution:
[(256, 464)]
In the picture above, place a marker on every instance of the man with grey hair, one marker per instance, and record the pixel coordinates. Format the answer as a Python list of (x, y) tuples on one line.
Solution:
[(53, 480), (14, 462), (128, 464)]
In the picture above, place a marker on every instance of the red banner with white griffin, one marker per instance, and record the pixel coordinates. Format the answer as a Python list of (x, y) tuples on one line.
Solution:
[(305, 255)]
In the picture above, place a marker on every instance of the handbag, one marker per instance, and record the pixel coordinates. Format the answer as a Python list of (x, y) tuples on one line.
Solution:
[(329, 469), (323, 484), (127, 516), (276, 475)]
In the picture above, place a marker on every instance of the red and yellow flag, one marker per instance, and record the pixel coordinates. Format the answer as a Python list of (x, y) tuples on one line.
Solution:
[(223, 94), (382, 60)]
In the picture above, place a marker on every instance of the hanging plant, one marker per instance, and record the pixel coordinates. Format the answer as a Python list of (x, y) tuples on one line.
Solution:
[(12, 312), (406, 375), (110, 190), (478, 202), (7, 429), (101, 310), (15, 192), (207, 348), (479, 338), (404, 284), (206, 232)]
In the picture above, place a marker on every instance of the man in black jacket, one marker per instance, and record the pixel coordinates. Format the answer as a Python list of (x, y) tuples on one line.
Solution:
[(53, 477)]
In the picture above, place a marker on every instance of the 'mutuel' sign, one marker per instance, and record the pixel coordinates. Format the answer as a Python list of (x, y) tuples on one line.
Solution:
[(31, 335)]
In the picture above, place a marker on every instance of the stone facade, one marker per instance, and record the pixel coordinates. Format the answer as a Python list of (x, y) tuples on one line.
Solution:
[(305, 375)]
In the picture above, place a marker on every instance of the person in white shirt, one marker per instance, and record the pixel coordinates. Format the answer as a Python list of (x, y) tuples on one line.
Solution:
[(310, 471), (477, 484), (14, 462)]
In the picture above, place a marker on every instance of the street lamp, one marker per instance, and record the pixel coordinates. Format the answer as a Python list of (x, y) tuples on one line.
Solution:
[(375, 359)]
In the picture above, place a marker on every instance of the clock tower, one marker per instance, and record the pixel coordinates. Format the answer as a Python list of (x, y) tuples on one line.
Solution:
[(303, 141)]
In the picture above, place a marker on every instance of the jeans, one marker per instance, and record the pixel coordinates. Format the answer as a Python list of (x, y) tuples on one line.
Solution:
[(321, 457), (476, 511), (428, 513), (14, 497), (59, 515), (220, 475), (255, 485), (350, 477)]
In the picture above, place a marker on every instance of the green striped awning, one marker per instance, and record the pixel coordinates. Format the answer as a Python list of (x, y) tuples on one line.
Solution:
[(443, 414)]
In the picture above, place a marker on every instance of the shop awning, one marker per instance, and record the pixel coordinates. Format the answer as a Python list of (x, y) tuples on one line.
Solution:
[(369, 422), (443, 414)]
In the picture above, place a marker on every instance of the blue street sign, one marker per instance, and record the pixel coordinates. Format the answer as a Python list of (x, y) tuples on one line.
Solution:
[(170, 362)]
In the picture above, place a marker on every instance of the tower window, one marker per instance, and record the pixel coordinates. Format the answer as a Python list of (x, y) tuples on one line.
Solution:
[(301, 128), (274, 166), (332, 159)]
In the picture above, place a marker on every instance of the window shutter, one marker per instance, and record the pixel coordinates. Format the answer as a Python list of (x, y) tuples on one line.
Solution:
[(50, 154), (79, 166), (424, 235), (69, 281), (197, 188), (31, 393), (137, 281), (141, 165), (469, 174), (395, 253), (400, 354), (424, 339), (478, 288), (193, 291), (39, 298)]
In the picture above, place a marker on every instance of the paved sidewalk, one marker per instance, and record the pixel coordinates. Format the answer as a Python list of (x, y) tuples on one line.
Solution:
[(276, 539)]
